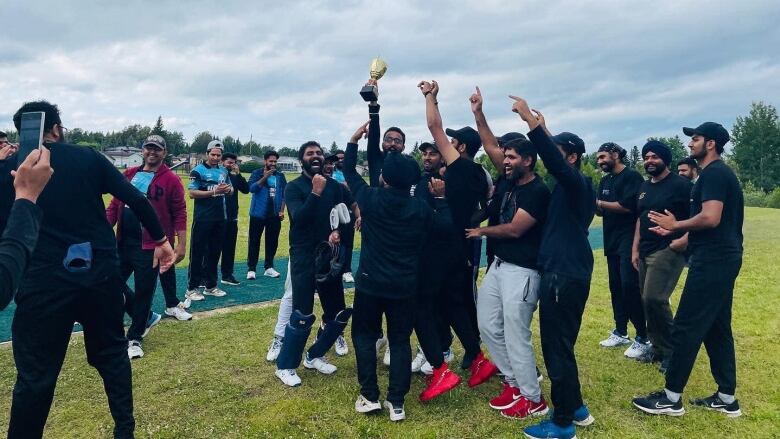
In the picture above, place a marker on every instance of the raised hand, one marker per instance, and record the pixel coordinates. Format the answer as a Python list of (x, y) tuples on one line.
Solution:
[(318, 184), (33, 175), (360, 133), (540, 118), (520, 106), (435, 88), (425, 87), (476, 101), (436, 187)]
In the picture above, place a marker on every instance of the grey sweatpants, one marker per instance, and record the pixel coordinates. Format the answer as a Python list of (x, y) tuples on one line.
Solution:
[(285, 307), (506, 303)]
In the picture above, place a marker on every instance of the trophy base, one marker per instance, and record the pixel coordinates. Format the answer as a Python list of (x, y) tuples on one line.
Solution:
[(369, 93)]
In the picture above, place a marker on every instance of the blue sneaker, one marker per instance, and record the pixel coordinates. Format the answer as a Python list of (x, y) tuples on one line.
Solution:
[(154, 319), (581, 418), (547, 429)]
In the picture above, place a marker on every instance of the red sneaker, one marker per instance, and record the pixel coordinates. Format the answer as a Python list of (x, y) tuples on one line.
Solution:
[(481, 370), (525, 408), (443, 380), (509, 396)]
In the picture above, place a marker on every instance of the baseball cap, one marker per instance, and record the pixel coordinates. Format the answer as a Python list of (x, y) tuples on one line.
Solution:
[(710, 130), (428, 145), (155, 140), (508, 137), (467, 135), (214, 144), (571, 141), (332, 158)]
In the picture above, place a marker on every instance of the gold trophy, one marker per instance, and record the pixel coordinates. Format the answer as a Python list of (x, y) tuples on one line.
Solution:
[(370, 92)]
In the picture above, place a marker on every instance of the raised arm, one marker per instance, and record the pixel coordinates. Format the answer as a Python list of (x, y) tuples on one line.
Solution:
[(430, 91), (489, 142), (355, 182), (375, 156)]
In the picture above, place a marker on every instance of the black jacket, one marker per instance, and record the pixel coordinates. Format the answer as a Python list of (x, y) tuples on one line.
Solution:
[(565, 248), (231, 202), (17, 245), (394, 229)]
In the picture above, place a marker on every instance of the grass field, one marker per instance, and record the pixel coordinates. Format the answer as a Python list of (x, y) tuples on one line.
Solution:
[(208, 378)]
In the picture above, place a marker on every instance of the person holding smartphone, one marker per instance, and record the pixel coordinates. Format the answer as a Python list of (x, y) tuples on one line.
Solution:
[(231, 225), (7, 164), (73, 275)]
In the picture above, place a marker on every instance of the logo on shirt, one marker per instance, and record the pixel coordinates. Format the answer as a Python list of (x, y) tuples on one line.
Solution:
[(642, 195)]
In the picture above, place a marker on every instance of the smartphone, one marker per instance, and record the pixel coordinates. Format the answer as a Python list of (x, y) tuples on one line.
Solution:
[(30, 134)]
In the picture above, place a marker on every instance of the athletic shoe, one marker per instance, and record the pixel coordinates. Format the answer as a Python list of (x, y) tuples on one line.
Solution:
[(481, 370), (615, 340), (289, 377), (274, 349), (251, 275), (650, 356), (341, 346), (427, 369), (347, 278), (582, 416), (396, 413), (320, 364), (380, 343), (548, 429), (187, 303), (386, 359), (525, 408), (715, 403), (194, 295), (230, 280), (418, 360), (270, 272), (151, 322), (178, 312), (657, 403), (134, 349), (363, 405), (442, 382), (466, 362), (638, 349), (508, 397), (216, 292)]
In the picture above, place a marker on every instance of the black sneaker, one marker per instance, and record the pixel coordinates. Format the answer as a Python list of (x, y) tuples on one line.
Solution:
[(715, 403), (230, 280), (657, 403)]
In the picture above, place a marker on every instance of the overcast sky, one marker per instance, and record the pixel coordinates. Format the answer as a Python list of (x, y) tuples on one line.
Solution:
[(287, 72)]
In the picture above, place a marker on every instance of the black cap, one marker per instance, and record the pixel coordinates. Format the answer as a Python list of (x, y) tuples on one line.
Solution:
[(508, 137), (710, 130), (332, 157), (155, 140), (469, 136), (571, 141), (428, 145), (400, 171)]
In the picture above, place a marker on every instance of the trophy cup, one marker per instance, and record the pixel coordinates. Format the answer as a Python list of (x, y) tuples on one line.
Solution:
[(370, 92)]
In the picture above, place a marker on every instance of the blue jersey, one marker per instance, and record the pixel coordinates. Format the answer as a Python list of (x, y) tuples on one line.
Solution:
[(207, 178)]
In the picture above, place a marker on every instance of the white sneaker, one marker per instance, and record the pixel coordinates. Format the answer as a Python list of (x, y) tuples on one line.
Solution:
[(396, 413), (448, 355), (347, 278), (178, 312), (288, 376), (418, 360), (270, 272), (380, 343), (615, 340), (187, 303), (134, 349), (386, 359), (363, 405), (637, 349), (341, 346), (216, 292), (274, 349), (251, 275), (427, 369), (194, 295), (320, 364)]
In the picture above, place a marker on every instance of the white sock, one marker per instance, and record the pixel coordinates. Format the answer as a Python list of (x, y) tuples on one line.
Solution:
[(728, 399), (672, 396)]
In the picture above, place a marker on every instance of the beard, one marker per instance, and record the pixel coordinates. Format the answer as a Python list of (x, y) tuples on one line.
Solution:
[(514, 173), (655, 170), (607, 167), (312, 167)]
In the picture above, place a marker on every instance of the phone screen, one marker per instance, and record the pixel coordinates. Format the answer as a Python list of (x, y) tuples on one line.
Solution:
[(30, 134)]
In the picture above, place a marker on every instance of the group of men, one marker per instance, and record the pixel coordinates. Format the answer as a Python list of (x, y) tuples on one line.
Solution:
[(421, 242)]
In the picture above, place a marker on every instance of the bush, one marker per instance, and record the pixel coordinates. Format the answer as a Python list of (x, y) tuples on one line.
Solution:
[(248, 167), (773, 199), (755, 197)]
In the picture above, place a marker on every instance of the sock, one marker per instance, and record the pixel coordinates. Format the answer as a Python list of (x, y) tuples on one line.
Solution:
[(672, 396), (728, 399)]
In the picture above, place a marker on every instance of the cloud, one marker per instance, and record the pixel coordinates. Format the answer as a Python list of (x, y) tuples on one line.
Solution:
[(287, 72)]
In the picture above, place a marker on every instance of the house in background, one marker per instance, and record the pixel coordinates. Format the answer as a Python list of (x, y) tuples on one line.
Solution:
[(124, 156), (289, 164)]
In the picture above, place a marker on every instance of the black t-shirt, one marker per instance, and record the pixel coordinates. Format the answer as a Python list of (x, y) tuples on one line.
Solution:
[(718, 182), (619, 227), (673, 193), (465, 188), (534, 198), (310, 214)]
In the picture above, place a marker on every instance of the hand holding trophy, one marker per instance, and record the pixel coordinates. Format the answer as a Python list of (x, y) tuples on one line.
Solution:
[(370, 92)]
